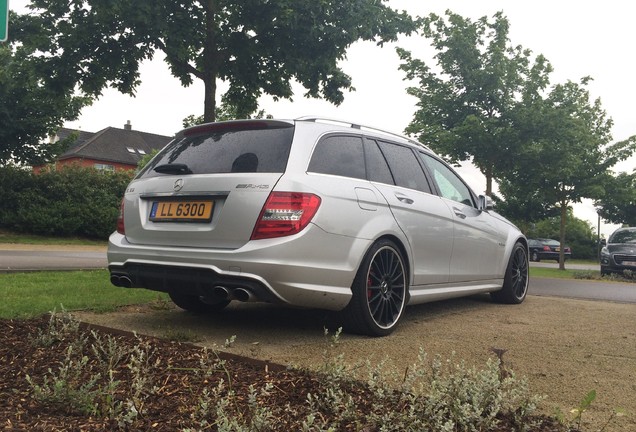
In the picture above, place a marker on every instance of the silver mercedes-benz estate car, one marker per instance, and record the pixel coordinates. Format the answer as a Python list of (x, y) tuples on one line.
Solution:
[(311, 213)]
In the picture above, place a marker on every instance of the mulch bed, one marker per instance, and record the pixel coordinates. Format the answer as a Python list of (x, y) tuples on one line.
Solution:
[(170, 400)]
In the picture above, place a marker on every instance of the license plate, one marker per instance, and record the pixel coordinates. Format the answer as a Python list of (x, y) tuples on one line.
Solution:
[(629, 263), (557, 249), (181, 211)]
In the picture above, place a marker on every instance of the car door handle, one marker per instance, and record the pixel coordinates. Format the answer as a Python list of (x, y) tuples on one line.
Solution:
[(459, 213), (404, 198)]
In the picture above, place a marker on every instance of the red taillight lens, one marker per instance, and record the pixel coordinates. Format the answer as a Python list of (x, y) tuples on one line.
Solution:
[(546, 248), (121, 229), (285, 213)]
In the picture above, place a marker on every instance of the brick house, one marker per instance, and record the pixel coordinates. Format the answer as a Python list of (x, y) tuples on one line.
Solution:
[(109, 149)]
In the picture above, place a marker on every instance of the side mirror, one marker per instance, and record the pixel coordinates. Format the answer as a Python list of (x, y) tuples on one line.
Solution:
[(603, 242), (485, 203)]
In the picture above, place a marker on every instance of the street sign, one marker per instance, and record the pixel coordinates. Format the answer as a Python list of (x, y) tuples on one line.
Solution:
[(4, 19)]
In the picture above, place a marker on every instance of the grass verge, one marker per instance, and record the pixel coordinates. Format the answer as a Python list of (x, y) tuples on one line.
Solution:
[(16, 238), (27, 295)]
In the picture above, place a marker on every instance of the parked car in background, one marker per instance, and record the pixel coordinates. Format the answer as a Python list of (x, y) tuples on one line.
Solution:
[(311, 213), (619, 253), (547, 249)]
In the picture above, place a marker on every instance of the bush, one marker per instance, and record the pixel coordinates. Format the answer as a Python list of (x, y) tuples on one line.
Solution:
[(72, 202)]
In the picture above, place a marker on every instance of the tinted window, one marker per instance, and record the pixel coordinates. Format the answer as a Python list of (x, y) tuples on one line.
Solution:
[(449, 184), (377, 168), (224, 151), (339, 155), (623, 236), (405, 168)]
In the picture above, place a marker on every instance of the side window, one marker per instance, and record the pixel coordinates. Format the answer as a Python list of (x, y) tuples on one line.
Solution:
[(377, 168), (448, 183), (339, 155), (406, 170)]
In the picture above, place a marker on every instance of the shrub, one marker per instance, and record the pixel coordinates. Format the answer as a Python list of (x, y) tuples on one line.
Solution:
[(74, 201)]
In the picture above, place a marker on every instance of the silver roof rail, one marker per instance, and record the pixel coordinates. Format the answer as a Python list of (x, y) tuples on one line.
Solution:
[(316, 119)]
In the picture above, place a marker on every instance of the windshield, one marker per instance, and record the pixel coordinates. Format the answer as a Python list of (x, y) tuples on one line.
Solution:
[(623, 236)]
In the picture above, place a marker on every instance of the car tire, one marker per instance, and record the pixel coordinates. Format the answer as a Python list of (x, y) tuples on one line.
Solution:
[(535, 257), (515, 286), (197, 304), (380, 291)]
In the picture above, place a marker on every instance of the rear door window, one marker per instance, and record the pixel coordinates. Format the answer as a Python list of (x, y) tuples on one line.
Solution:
[(405, 168), (249, 148), (339, 155), (377, 167)]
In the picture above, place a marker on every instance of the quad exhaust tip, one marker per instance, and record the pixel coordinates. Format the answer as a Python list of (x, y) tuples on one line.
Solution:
[(240, 294)]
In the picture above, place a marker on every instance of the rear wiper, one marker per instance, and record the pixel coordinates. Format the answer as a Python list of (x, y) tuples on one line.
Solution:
[(175, 168)]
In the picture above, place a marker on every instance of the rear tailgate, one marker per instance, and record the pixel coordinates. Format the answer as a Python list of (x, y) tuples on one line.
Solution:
[(211, 211), (207, 187)]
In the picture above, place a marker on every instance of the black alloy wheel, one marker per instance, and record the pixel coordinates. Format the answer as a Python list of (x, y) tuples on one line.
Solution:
[(379, 291), (516, 279)]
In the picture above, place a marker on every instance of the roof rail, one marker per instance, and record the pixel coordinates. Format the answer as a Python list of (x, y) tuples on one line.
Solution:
[(316, 119)]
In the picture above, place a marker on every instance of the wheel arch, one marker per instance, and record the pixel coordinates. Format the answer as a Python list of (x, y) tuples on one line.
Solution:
[(403, 250)]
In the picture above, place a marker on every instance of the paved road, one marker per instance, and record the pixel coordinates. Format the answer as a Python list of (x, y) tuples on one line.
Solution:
[(36, 260), (583, 289)]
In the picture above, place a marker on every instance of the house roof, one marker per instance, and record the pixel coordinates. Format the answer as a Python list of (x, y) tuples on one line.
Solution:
[(124, 146)]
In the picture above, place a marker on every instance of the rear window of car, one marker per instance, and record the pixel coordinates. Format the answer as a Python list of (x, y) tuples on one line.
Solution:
[(339, 155), (249, 148)]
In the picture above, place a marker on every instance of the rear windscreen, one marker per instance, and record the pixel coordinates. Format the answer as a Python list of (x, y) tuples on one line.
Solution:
[(225, 151)]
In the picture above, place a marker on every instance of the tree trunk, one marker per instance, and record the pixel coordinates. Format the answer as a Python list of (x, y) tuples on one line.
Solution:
[(564, 212), (209, 102), (210, 63)]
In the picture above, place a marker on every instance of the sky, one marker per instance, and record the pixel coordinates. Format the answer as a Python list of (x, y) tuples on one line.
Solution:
[(579, 38)]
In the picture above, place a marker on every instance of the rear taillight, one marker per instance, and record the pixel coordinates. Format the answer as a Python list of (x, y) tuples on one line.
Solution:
[(121, 229), (285, 213), (546, 248)]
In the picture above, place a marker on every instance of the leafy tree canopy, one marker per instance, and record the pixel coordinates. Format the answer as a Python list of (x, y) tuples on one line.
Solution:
[(30, 109), (618, 204), (255, 46), (465, 100)]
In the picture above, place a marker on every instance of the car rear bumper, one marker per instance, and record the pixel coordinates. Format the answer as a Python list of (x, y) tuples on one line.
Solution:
[(312, 269)]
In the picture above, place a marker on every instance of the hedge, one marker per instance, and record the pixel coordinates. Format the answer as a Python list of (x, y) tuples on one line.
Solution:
[(71, 202)]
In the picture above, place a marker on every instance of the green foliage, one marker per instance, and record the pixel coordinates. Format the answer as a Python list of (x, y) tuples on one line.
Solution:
[(224, 113), (618, 203), (466, 102), (29, 110), (73, 201), (145, 159), (255, 47), (579, 234)]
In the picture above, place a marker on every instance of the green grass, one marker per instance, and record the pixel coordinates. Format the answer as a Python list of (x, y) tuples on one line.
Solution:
[(26, 295), (11, 237), (544, 272)]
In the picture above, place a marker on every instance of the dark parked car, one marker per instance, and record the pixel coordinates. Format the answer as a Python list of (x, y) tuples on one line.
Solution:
[(547, 249), (619, 253)]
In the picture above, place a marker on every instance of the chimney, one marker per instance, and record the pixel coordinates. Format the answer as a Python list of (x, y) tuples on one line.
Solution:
[(128, 126)]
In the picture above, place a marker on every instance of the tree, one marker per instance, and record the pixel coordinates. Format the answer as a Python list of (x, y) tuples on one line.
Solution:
[(579, 234), (618, 204), (567, 155), (465, 101), (31, 110), (255, 46)]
